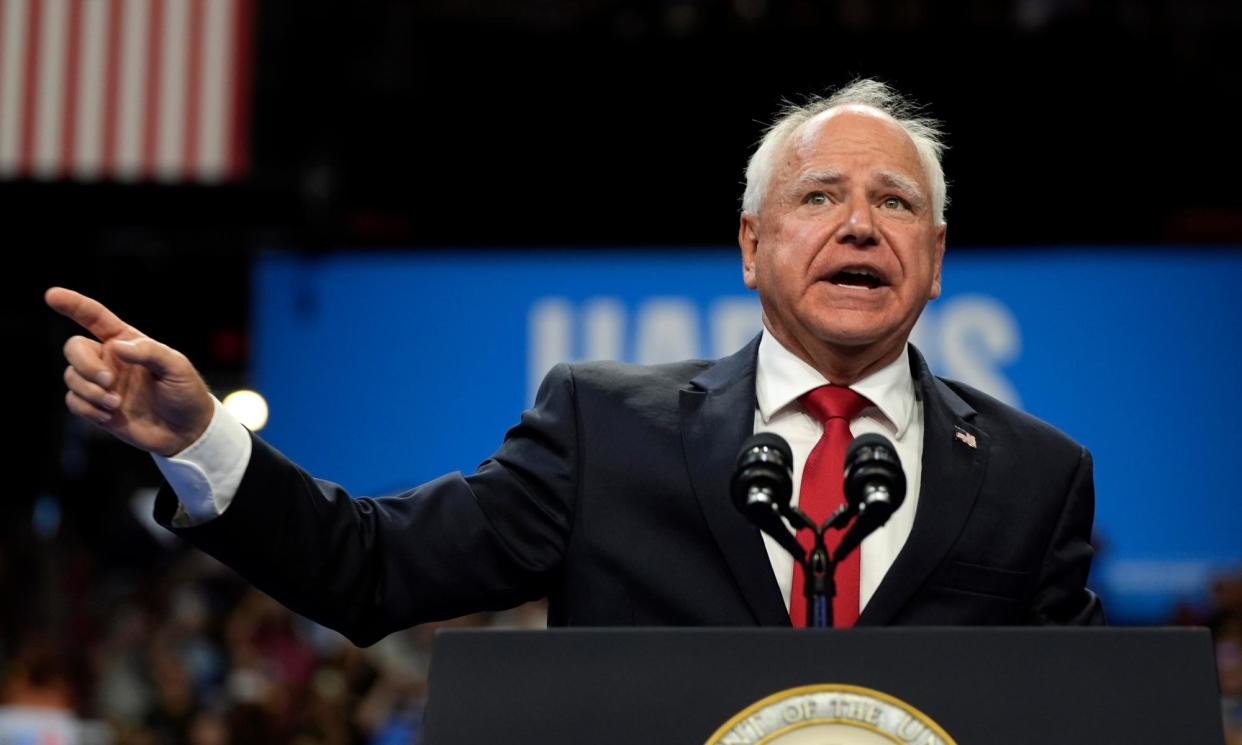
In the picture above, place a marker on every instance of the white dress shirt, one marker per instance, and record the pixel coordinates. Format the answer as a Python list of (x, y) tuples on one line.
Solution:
[(781, 378), (205, 476)]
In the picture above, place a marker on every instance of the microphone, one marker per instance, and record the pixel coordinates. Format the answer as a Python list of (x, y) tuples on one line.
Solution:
[(875, 486), (762, 486)]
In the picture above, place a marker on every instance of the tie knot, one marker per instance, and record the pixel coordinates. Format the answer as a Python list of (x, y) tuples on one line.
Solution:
[(833, 402)]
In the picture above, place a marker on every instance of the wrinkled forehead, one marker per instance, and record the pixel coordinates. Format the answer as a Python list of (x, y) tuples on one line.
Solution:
[(855, 121), (808, 132)]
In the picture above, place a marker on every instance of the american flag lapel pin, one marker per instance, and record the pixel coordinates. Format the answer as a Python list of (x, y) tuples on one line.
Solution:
[(965, 437)]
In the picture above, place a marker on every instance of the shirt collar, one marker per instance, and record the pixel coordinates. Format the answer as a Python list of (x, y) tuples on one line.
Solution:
[(782, 377)]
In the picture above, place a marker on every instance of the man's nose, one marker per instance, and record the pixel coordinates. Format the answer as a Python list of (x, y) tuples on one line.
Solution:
[(859, 227)]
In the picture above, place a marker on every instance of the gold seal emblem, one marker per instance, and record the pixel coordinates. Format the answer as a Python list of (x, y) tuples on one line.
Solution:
[(830, 714)]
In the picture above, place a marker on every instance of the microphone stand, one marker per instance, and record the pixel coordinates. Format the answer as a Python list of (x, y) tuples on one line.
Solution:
[(761, 489), (819, 568)]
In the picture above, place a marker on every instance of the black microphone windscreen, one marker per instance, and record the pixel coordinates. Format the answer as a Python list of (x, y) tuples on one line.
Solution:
[(872, 459), (875, 485), (870, 441), (762, 486), (770, 440), (765, 461)]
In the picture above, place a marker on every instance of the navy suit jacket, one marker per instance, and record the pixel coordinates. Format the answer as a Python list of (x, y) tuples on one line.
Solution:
[(611, 497)]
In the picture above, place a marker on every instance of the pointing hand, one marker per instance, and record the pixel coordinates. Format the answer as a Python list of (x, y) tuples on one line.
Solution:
[(143, 392)]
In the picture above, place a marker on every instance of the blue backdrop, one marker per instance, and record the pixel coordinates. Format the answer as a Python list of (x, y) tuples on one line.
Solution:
[(383, 370)]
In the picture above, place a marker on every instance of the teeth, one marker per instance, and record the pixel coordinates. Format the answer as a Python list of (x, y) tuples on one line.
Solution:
[(858, 277)]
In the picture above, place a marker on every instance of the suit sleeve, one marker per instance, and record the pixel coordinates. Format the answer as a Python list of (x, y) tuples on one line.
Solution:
[(1061, 594), (455, 545)]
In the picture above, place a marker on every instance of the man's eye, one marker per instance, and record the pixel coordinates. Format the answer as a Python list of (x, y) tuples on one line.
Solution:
[(894, 203), (817, 197)]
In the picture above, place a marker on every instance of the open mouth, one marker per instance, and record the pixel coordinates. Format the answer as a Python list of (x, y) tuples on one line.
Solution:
[(858, 277)]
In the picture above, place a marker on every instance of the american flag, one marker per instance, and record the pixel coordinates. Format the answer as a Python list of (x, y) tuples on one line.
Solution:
[(131, 90)]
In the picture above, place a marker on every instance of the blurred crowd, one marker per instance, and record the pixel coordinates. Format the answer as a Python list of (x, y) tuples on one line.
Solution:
[(191, 655)]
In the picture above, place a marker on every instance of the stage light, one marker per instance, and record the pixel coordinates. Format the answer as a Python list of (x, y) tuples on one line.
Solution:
[(249, 407)]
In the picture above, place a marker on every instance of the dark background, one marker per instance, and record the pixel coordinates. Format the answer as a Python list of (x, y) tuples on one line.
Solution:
[(604, 123)]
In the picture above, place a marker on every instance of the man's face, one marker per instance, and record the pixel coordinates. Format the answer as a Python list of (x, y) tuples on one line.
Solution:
[(845, 251)]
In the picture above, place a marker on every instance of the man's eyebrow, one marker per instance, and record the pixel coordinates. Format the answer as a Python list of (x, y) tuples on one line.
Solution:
[(895, 180), (820, 177)]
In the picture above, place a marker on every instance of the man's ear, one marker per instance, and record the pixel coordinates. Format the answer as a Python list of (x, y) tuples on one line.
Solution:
[(748, 240), (938, 258)]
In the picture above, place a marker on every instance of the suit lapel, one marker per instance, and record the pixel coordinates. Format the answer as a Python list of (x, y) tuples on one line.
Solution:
[(952, 473), (717, 415)]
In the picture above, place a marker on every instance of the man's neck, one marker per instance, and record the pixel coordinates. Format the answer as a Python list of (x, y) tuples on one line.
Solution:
[(842, 365)]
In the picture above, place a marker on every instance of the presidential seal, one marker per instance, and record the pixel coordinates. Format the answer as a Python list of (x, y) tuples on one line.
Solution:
[(830, 715)]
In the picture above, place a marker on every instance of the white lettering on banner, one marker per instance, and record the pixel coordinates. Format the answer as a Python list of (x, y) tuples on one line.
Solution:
[(665, 329), (548, 326), (668, 330), (977, 336), (967, 337), (603, 324), (733, 322)]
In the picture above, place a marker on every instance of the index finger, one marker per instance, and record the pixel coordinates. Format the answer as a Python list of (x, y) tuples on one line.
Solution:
[(88, 313)]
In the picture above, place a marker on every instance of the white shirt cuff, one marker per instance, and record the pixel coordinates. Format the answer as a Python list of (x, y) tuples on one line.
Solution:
[(205, 476)]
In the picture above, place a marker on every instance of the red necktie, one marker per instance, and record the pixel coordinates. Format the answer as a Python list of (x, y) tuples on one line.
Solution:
[(822, 492)]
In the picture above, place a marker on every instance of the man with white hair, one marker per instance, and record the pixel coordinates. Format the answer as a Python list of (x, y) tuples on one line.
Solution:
[(842, 234)]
